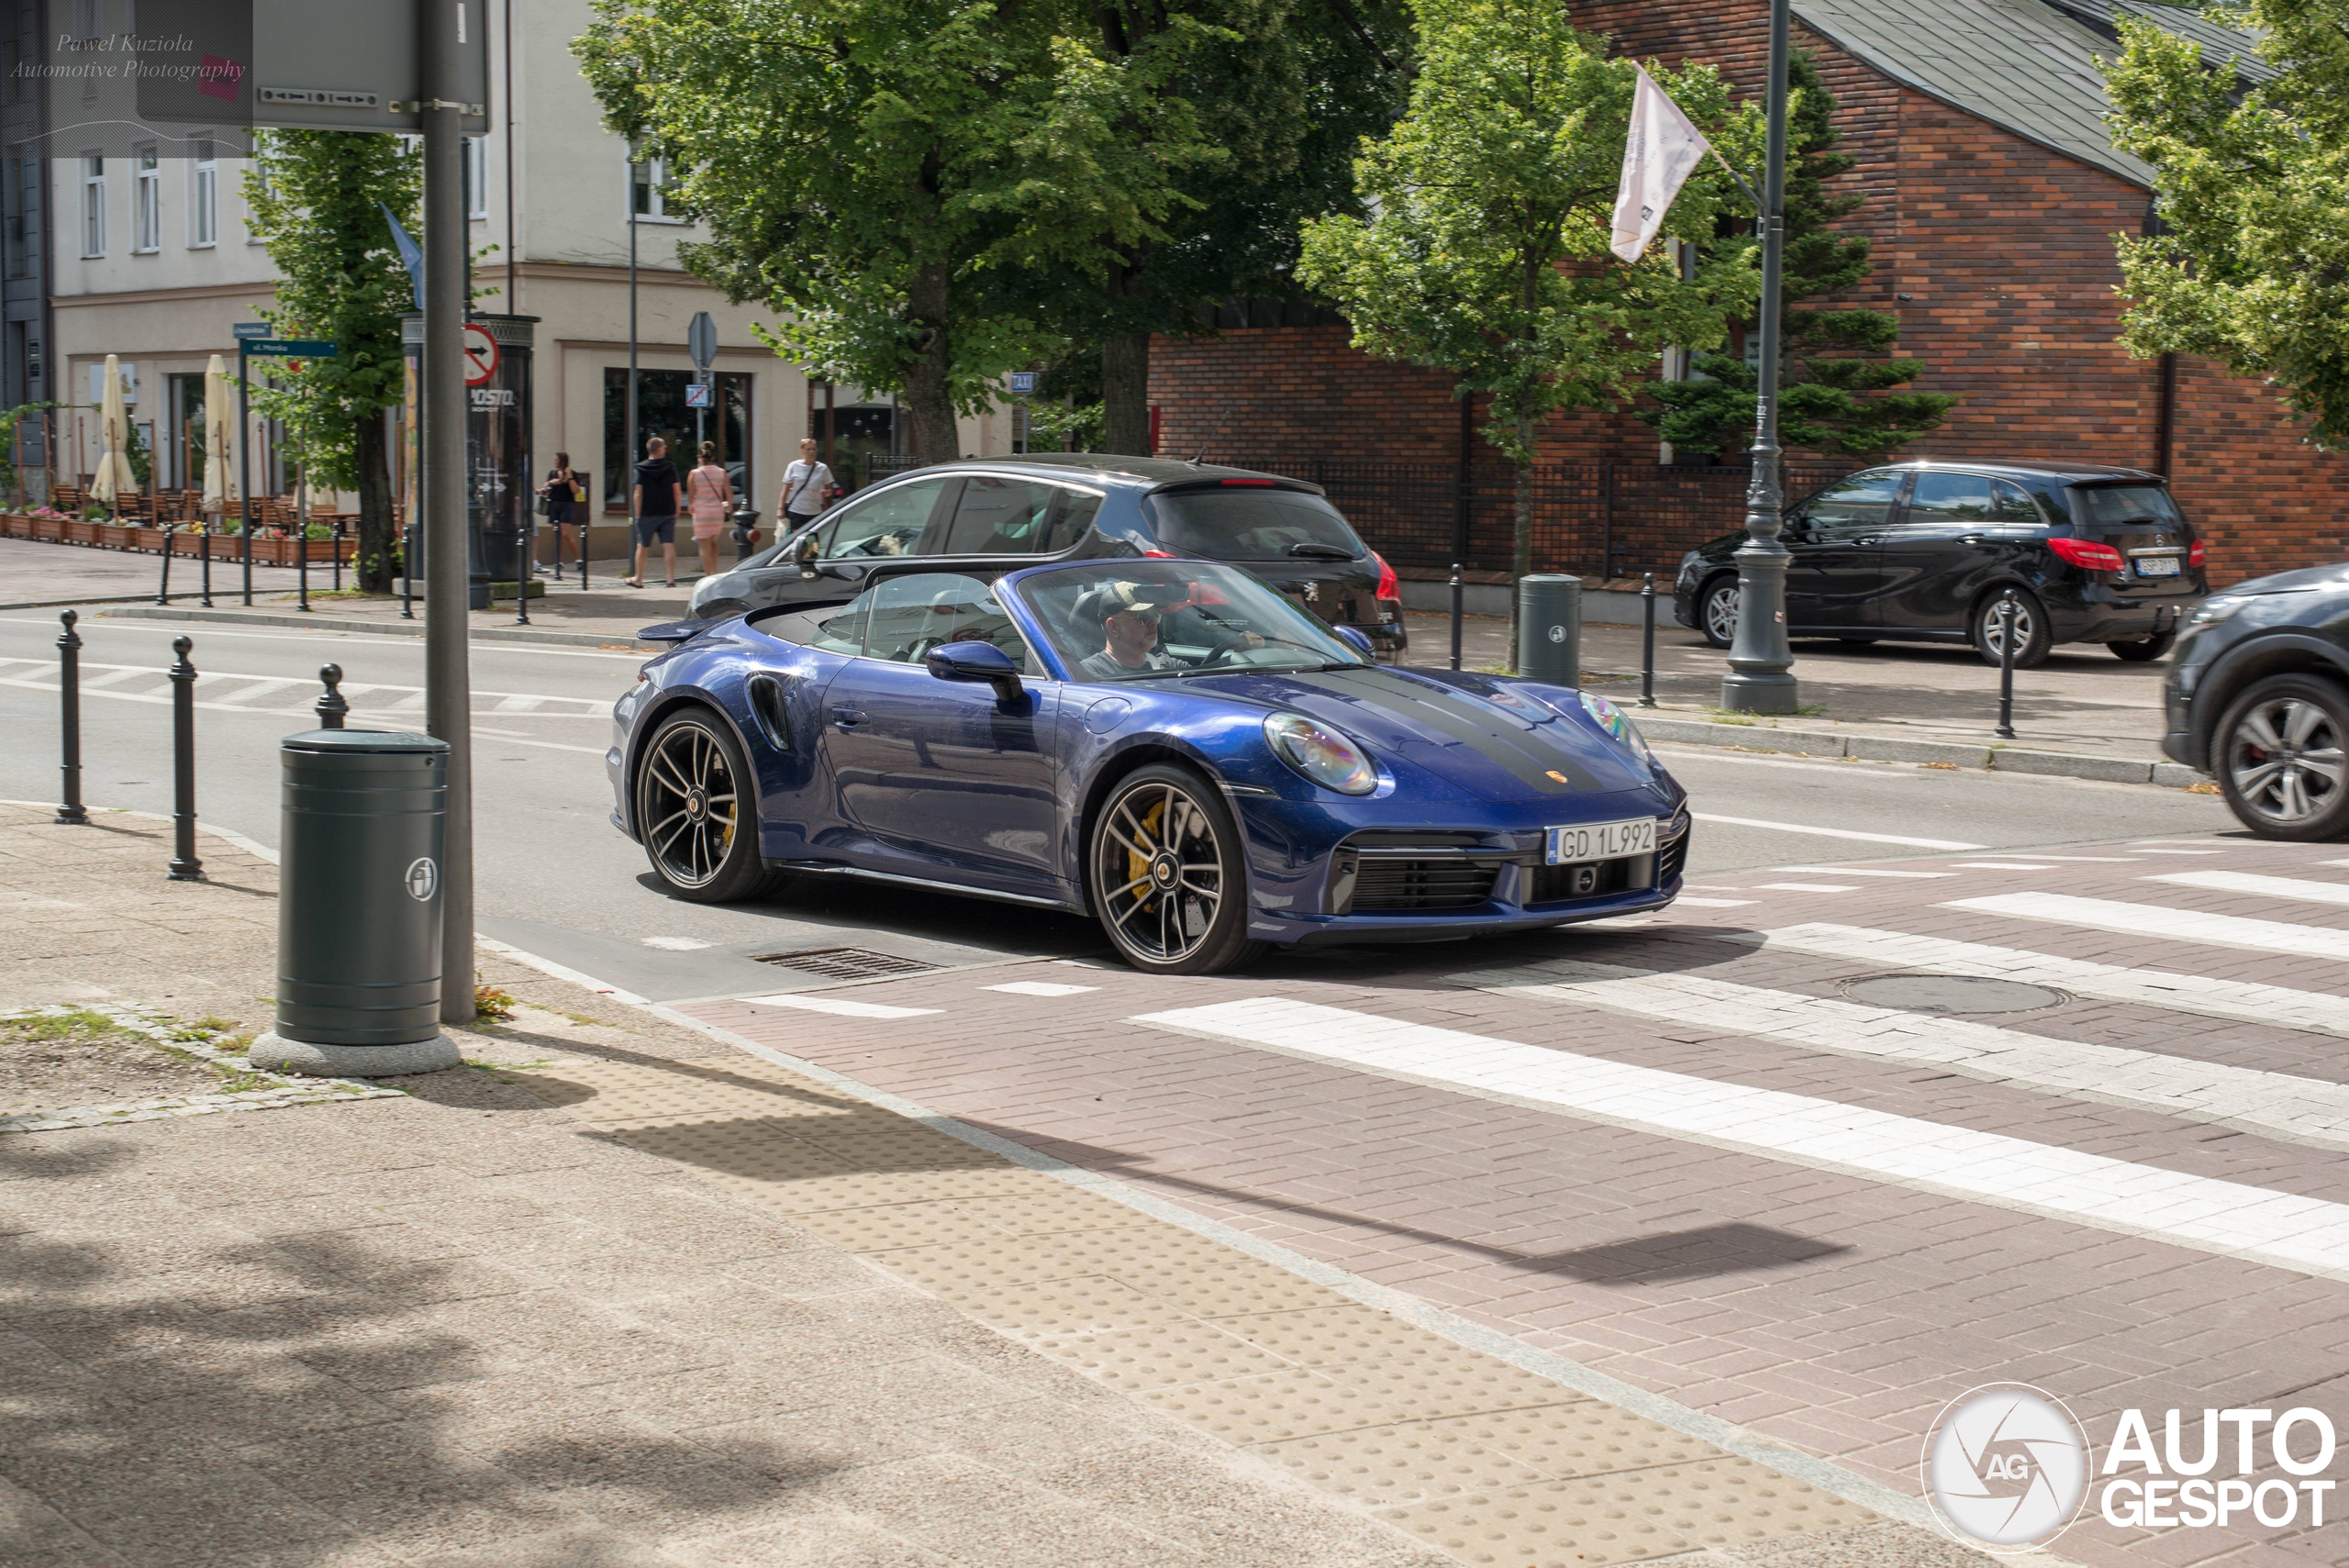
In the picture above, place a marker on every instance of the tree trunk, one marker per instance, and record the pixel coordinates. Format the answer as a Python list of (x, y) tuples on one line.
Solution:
[(1521, 558), (1125, 395), (929, 399), (377, 526)]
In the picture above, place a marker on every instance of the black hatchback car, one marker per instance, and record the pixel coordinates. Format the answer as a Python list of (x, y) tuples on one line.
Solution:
[(1923, 552), (2259, 696), (1058, 506)]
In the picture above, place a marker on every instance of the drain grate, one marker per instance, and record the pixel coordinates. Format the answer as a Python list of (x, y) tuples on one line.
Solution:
[(1948, 993), (846, 963)]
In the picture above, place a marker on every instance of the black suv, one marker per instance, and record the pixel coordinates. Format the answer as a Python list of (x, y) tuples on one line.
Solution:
[(1073, 506), (2259, 696), (1921, 552)]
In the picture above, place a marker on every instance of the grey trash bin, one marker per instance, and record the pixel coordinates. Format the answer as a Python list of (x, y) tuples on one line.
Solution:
[(358, 905), (1549, 629)]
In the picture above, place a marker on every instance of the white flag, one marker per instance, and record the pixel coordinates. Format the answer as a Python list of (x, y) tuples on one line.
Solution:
[(1657, 157)]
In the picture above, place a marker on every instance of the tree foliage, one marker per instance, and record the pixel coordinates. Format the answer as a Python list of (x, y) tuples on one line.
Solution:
[(1485, 251), (2252, 265), (881, 172), (1834, 393), (317, 199)]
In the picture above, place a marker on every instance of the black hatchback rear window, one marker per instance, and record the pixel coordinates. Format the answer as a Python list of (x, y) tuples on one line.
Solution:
[(1246, 523), (2125, 503)]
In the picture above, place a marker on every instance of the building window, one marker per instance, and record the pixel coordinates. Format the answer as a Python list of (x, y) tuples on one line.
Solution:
[(146, 201), (662, 410), (647, 182), (94, 203), (86, 25), (476, 167), (203, 192)]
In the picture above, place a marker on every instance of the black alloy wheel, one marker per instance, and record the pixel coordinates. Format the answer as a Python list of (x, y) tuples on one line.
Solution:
[(2278, 752), (2146, 651), (1717, 610), (2033, 637), (696, 812), (1169, 876)]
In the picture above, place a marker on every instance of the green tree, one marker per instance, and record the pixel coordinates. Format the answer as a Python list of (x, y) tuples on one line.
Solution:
[(1280, 92), (2252, 268), (878, 171), (1493, 197), (317, 199), (1836, 399)]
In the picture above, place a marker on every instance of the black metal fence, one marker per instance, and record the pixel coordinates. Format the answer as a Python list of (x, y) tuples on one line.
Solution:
[(1606, 520)]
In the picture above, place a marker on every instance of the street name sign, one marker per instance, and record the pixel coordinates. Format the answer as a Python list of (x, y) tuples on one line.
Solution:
[(289, 348), (1023, 382), (251, 329)]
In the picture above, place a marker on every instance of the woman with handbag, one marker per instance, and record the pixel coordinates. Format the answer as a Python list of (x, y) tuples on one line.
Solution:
[(558, 502), (710, 493)]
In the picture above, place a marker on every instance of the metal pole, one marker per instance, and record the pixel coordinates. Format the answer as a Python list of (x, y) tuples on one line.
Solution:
[(244, 470), (164, 588), (70, 809), (338, 552), (627, 458), (408, 552), (1647, 640), (448, 682), (1460, 515), (302, 526), (331, 705), (524, 574), (185, 866), (1760, 662), (2007, 607)]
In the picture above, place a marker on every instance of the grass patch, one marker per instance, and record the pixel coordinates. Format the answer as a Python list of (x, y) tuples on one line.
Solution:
[(79, 1023)]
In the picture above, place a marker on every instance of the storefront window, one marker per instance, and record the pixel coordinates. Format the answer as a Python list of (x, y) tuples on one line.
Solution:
[(662, 410)]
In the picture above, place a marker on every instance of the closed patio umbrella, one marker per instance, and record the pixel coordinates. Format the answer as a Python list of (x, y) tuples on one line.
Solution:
[(115, 478), (219, 431)]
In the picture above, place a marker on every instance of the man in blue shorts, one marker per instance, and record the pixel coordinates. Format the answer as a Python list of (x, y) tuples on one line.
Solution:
[(652, 501)]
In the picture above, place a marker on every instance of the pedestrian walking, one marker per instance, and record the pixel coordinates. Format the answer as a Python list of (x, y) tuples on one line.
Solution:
[(808, 489), (653, 502), (561, 492), (709, 496)]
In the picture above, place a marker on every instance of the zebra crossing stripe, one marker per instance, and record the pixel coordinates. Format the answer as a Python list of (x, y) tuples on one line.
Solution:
[(2228, 1218), (2276, 1105), (2306, 890), (2154, 920), (2278, 1006)]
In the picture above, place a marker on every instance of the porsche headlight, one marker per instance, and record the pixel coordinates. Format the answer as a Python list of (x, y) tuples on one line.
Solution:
[(1321, 753), (1618, 723)]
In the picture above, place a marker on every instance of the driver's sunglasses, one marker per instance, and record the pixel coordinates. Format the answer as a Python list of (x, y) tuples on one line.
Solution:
[(1141, 612)]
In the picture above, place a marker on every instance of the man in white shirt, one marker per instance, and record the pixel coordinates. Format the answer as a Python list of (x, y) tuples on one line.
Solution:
[(806, 489)]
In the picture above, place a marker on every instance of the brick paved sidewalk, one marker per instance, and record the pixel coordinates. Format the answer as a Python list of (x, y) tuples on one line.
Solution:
[(619, 1293)]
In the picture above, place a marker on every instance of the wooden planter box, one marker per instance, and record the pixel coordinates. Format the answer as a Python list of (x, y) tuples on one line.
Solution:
[(148, 539), (15, 525), (114, 536), (80, 532), (48, 529)]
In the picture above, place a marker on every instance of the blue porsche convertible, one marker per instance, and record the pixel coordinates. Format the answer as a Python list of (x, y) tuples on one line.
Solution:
[(1168, 745)]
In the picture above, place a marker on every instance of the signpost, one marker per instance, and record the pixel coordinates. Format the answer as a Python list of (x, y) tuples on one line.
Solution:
[(253, 342), (1023, 384), (701, 343), (481, 355)]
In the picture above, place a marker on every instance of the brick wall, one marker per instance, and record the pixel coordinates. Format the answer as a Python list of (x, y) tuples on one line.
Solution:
[(2003, 250)]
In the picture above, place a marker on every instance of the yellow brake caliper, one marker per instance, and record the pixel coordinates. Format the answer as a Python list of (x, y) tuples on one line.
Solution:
[(1136, 866)]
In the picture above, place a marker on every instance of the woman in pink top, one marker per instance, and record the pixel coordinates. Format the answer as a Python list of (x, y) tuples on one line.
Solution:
[(710, 494)]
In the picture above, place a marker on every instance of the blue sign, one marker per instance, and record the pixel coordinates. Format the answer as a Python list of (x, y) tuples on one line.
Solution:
[(1023, 382), (251, 329), (289, 348), (697, 395)]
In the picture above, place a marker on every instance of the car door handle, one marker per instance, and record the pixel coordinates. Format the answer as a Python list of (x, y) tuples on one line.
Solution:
[(1969, 539), (848, 717), (1870, 540)]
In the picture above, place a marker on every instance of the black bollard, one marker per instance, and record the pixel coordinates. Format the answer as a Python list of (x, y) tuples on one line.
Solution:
[(331, 706), (526, 570), (204, 553), (1647, 640), (1455, 615), (163, 589), (338, 552), (586, 526), (70, 809), (185, 866), (2007, 607), (408, 573)]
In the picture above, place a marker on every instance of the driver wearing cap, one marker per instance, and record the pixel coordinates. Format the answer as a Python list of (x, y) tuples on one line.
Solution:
[(1128, 615)]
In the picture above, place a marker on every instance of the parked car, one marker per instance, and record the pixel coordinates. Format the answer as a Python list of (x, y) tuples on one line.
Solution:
[(1168, 745), (2259, 696), (1074, 507), (1922, 552)]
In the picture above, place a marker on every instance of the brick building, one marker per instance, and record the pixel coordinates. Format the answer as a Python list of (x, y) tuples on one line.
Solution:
[(1992, 198)]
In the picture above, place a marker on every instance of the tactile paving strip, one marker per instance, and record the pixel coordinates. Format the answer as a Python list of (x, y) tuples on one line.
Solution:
[(1488, 1462)]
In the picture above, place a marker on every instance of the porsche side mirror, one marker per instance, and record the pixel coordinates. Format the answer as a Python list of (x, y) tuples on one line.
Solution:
[(981, 661), (807, 547), (1354, 637)]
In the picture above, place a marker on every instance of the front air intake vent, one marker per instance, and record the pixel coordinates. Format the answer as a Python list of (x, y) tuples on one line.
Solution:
[(1383, 884)]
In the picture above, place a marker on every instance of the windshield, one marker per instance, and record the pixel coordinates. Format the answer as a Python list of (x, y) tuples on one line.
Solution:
[(1236, 522), (2125, 504), (1138, 620)]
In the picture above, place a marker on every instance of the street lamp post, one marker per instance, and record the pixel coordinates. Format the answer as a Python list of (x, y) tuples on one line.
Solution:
[(1761, 678)]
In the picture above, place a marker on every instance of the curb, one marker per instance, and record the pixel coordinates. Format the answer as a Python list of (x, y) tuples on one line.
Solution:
[(78, 601), (315, 622), (1893, 749)]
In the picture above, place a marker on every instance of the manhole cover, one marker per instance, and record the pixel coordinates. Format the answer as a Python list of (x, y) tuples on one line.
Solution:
[(846, 963), (1951, 994)]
